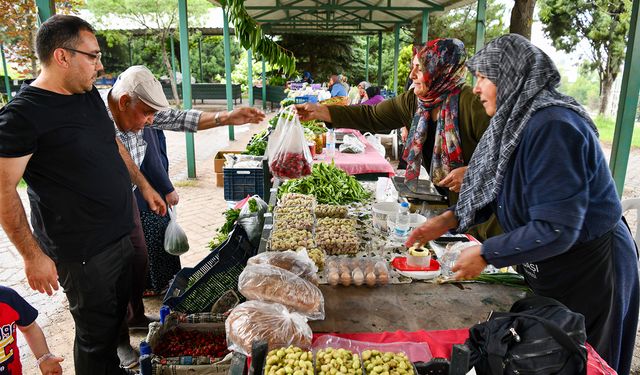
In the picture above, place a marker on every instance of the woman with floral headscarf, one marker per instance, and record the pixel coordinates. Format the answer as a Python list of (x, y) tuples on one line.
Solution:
[(543, 173), (447, 119)]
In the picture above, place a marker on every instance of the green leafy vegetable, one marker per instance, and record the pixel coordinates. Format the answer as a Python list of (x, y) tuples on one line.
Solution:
[(329, 184), (231, 216)]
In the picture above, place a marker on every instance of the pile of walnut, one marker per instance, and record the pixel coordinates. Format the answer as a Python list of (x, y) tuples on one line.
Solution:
[(289, 361), (330, 210), (286, 239), (331, 361), (380, 363), (337, 236), (353, 271)]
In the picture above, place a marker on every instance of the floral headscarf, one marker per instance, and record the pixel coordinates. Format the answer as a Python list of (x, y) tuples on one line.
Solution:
[(526, 81), (442, 64)]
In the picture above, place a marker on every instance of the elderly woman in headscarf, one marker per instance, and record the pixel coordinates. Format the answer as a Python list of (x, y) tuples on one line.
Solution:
[(447, 119), (542, 171)]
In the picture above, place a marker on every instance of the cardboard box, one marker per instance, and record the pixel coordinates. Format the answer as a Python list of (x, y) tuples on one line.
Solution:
[(219, 179), (219, 160)]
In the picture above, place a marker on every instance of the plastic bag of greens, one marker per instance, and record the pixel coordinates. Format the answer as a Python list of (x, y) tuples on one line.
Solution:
[(175, 240), (251, 218)]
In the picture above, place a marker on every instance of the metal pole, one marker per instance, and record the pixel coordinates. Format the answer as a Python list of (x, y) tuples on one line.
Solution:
[(380, 59), (173, 59), (186, 82), (480, 23), (227, 67), (200, 57), (628, 103), (7, 84), (250, 76), (396, 55), (264, 85), (46, 9), (425, 26), (366, 61)]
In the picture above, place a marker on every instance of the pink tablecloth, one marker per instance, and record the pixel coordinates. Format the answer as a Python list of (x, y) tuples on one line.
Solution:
[(368, 162)]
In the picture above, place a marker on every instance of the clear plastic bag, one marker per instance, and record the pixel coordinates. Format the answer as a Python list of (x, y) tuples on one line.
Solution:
[(375, 142), (251, 218), (272, 322), (272, 284), (175, 239), (297, 263), (289, 157), (451, 254), (351, 145), (416, 351)]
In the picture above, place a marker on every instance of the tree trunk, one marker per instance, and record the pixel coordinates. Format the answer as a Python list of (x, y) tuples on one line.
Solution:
[(167, 64), (522, 17), (607, 82)]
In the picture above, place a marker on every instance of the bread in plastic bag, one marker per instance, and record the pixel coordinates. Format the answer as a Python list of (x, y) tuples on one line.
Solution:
[(297, 263), (272, 284), (272, 322), (290, 157), (175, 239)]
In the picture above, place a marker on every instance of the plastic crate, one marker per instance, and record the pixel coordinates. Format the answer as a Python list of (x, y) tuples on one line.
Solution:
[(196, 289), (240, 182)]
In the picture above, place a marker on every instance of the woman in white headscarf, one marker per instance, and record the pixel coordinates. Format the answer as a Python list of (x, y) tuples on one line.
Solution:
[(540, 168)]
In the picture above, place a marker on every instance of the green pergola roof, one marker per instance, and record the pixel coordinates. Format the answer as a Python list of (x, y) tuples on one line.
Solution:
[(341, 16)]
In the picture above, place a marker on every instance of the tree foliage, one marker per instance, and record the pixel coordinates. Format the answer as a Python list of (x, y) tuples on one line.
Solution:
[(18, 27), (603, 24), (158, 17), (460, 23), (251, 36)]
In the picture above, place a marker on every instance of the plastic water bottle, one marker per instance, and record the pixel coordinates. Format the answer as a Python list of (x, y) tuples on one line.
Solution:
[(401, 229), (331, 143), (145, 358)]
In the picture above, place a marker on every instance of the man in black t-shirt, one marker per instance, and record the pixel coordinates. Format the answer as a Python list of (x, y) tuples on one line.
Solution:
[(57, 135)]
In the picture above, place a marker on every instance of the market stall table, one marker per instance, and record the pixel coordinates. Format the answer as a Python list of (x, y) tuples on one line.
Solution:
[(366, 166)]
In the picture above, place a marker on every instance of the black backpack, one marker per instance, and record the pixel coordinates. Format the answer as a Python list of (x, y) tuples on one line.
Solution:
[(538, 336)]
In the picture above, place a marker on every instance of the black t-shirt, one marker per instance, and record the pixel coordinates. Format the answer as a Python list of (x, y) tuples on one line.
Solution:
[(79, 187)]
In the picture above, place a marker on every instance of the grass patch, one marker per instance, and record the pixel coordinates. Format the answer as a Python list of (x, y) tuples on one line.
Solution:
[(606, 127), (186, 183)]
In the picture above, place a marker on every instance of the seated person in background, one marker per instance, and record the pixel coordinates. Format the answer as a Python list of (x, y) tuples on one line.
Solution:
[(16, 312), (306, 77), (362, 86), (336, 88), (372, 96)]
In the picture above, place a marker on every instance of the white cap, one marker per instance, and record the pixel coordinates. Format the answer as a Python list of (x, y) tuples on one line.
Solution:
[(138, 79)]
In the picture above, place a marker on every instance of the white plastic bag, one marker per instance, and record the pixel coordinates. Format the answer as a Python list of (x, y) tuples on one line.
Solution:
[(251, 218), (375, 142), (351, 145), (289, 154), (175, 239)]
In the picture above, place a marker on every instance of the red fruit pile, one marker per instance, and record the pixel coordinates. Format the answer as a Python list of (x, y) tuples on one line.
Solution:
[(290, 165), (178, 342)]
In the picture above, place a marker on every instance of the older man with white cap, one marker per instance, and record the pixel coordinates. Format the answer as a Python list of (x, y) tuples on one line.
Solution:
[(136, 100)]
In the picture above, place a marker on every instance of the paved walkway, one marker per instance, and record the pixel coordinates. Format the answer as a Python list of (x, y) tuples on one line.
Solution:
[(200, 214)]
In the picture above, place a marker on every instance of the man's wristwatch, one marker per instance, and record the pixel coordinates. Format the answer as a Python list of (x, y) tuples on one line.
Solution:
[(217, 119)]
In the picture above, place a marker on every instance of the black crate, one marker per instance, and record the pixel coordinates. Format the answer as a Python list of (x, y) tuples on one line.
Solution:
[(196, 289), (240, 182)]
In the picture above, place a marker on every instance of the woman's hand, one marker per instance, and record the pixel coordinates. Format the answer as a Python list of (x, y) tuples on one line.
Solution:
[(404, 133), (469, 264), (310, 111), (432, 229), (172, 198), (453, 180)]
